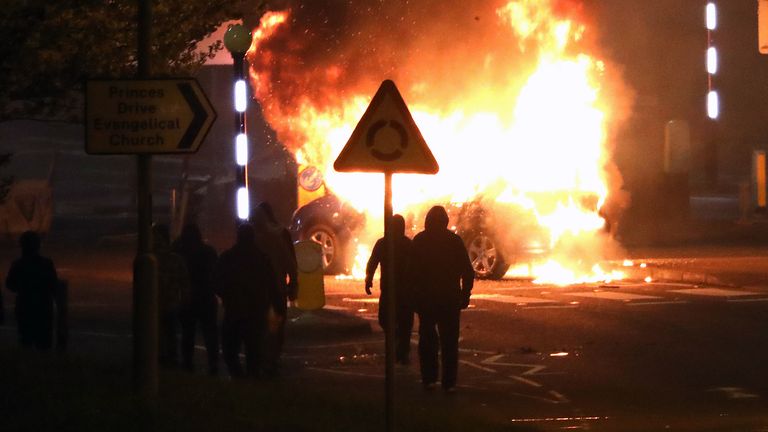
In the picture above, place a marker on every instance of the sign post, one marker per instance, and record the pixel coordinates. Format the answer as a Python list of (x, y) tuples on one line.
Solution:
[(387, 140), (143, 117)]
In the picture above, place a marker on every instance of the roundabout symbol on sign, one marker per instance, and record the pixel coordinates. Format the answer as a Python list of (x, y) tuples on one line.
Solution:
[(387, 156)]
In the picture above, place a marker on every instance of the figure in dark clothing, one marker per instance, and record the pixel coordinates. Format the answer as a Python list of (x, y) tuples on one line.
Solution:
[(275, 241), (246, 285), (173, 293), (403, 302), (442, 278), (33, 279), (200, 259)]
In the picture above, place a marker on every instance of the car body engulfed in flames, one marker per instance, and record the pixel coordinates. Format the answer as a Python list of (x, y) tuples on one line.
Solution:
[(496, 235)]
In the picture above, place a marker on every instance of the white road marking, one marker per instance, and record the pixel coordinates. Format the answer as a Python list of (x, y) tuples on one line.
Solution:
[(517, 300), (735, 392), (340, 372), (477, 366), (715, 292), (361, 300), (555, 306), (653, 303), (337, 308), (531, 383), (613, 295), (746, 300), (532, 369)]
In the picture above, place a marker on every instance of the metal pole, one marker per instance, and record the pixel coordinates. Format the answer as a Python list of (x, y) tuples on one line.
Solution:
[(145, 339), (389, 300), (241, 175)]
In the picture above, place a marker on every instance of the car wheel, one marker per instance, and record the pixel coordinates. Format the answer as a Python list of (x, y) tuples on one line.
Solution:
[(486, 258), (329, 242)]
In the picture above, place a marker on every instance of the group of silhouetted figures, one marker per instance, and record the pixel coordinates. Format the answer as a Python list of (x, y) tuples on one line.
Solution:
[(432, 277), (254, 280)]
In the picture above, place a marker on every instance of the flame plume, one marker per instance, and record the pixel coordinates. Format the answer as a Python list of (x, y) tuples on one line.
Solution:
[(510, 95)]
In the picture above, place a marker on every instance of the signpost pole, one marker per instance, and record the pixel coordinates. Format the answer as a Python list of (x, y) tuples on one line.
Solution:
[(389, 301), (145, 339)]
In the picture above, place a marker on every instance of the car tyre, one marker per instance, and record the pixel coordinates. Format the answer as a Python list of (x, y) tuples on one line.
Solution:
[(486, 257), (330, 244)]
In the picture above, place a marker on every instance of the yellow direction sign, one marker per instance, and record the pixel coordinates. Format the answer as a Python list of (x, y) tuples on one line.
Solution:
[(146, 116), (386, 139)]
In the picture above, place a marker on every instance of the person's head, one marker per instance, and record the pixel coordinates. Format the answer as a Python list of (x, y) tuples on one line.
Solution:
[(161, 236), (29, 242), (245, 234), (266, 208), (437, 218), (398, 225), (191, 234)]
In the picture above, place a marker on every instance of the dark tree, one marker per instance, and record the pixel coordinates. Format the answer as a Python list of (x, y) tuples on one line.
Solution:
[(50, 48)]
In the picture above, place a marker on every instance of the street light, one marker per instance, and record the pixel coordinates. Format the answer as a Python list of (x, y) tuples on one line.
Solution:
[(237, 40)]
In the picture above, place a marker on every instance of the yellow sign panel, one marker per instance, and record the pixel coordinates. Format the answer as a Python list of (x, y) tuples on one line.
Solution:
[(387, 139), (146, 116)]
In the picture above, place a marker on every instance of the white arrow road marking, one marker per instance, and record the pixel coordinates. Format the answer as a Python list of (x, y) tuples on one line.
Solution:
[(533, 369)]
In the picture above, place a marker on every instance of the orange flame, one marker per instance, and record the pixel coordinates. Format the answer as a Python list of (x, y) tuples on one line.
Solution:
[(532, 135)]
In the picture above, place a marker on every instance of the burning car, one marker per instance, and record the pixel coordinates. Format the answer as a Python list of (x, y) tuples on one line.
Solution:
[(525, 142), (493, 243)]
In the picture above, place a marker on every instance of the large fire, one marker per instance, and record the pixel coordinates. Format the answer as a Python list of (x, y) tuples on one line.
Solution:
[(514, 107)]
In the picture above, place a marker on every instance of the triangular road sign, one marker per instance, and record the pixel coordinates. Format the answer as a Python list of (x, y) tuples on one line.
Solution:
[(386, 139)]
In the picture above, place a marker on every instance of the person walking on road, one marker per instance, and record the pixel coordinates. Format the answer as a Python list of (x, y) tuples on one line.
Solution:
[(245, 282), (275, 241), (173, 293), (403, 301), (200, 259), (33, 279), (442, 278)]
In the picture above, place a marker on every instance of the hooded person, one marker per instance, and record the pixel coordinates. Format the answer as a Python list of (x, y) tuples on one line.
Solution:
[(33, 279), (275, 241), (202, 307), (441, 275), (403, 303), (246, 284), (173, 293)]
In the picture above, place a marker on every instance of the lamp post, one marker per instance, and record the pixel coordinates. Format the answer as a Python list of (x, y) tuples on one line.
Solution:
[(713, 97), (237, 40)]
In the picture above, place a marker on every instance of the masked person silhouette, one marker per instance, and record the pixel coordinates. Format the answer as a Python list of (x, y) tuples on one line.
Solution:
[(173, 293), (403, 302), (33, 278), (246, 284), (202, 307), (275, 241), (441, 275)]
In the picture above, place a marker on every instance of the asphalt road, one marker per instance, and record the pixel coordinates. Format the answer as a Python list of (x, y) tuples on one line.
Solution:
[(666, 355)]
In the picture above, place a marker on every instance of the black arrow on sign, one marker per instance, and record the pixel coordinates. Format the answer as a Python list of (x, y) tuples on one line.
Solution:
[(199, 115)]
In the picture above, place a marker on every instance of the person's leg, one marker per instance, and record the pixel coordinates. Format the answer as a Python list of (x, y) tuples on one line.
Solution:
[(167, 338), (428, 345), (230, 347), (188, 322), (275, 336), (44, 337), (403, 334), (254, 338), (448, 326), (211, 336)]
